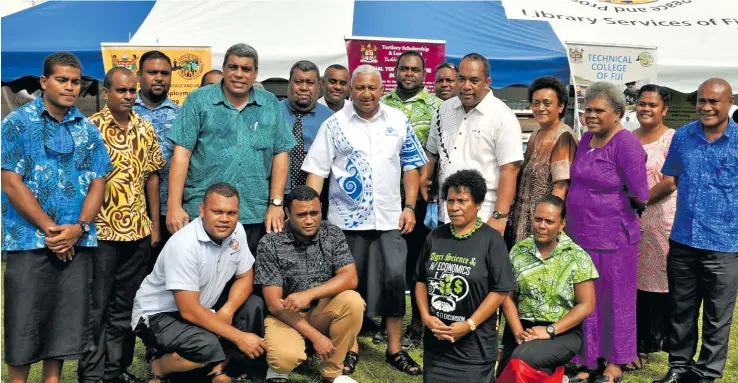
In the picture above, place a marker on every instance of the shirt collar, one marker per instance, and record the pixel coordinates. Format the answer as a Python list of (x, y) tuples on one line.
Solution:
[(203, 236), (485, 106), (380, 113), (565, 244), (731, 131), (289, 235), (72, 114), (255, 97), (423, 96), (168, 103), (292, 110), (110, 121)]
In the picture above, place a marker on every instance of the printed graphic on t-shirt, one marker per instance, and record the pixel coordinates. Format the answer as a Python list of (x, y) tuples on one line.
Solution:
[(448, 286)]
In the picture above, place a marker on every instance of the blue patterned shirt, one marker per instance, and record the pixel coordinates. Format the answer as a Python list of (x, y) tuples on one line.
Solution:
[(162, 117), (57, 161), (707, 193), (311, 122)]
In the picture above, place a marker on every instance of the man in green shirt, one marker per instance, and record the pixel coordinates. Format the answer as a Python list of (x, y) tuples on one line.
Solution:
[(418, 104), (231, 133)]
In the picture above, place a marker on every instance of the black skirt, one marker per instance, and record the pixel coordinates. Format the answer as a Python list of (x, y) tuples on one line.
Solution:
[(439, 369), (380, 258), (48, 306), (652, 323)]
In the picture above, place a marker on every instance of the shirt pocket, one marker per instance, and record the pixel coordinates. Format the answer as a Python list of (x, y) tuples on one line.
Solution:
[(726, 176)]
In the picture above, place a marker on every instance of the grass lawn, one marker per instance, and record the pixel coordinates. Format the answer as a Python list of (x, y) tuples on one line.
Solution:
[(372, 367)]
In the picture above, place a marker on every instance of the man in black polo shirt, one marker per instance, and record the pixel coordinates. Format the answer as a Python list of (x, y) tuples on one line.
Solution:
[(308, 276)]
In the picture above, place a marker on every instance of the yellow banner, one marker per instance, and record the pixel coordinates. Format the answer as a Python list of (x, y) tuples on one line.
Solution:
[(189, 64)]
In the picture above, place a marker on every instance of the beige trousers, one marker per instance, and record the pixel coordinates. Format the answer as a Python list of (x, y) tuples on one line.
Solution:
[(339, 318)]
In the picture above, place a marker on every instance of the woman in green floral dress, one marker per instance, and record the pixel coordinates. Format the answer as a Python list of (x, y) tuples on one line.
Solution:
[(554, 293)]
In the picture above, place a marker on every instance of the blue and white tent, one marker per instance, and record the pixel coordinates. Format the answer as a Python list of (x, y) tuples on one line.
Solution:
[(520, 45)]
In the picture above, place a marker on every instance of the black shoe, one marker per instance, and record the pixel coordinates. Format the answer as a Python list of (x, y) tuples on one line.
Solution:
[(380, 337), (369, 326), (125, 377), (411, 338), (672, 377)]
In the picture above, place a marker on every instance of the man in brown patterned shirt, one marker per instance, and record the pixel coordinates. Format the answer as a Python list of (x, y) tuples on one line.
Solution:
[(126, 230), (308, 276)]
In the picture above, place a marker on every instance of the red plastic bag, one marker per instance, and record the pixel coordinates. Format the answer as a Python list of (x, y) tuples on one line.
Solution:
[(518, 371)]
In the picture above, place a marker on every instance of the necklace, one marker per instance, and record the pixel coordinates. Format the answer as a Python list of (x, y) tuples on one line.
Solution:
[(469, 234)]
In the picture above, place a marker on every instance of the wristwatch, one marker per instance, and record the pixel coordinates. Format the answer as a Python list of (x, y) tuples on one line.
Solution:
[(410, 206), (551, 331), (276, 201), (472, 325), (497, 215), (84, 225)]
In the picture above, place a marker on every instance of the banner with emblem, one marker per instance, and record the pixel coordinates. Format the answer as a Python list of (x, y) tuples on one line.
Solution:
[(629, 67), (189, 64), (383, 52)]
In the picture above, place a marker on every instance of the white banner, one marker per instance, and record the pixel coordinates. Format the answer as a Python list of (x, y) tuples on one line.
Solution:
[(695, 38), (630, 67)]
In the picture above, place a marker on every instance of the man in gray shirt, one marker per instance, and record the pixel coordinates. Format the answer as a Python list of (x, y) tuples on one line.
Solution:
[(184, 311), (308, 275)]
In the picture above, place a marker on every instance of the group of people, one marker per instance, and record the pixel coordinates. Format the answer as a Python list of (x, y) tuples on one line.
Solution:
[(239, 234)]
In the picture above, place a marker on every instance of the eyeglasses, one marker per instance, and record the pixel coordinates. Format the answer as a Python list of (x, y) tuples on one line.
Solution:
[(447, 65)]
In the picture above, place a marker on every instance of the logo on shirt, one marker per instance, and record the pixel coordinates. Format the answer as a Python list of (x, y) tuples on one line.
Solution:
[(235, 245), (390, 131)]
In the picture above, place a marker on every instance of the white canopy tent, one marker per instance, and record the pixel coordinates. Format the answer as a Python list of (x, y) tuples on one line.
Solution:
[(696, 39), (282, 32)]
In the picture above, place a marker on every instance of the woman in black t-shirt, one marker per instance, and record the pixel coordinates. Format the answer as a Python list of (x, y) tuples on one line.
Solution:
[(463, 275)]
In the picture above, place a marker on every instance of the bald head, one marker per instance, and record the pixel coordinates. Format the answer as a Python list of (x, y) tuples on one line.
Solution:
[(714, 99)]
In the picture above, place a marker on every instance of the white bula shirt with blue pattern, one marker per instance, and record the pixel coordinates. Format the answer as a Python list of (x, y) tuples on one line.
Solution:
[(365, 159)]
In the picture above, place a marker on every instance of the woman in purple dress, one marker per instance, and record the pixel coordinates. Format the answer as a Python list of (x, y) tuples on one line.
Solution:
[(608, 185)]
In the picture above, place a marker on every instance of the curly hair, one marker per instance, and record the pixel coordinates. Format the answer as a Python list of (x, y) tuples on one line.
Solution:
[(469, 179), (609, 92), (550, 82)]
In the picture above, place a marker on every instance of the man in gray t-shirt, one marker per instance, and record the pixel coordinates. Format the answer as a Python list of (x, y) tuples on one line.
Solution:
[(185, 313)]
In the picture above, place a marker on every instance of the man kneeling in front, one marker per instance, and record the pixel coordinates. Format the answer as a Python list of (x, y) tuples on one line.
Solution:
[(177, 311), (308, 275)]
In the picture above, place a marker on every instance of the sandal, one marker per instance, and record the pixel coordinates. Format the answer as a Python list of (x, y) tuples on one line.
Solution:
[(634, 365), (161, 378), (403, 362), (349, 363)]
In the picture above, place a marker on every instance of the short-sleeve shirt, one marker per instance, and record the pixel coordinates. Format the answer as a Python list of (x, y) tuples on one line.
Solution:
[(545, 287), (365, 159), (484, 139), (283, 261), (135, 154), (418, 109), (57, 161), (459, 275), (311, 122), (191, 261), (162, 117), (707, 198), (231, 145)]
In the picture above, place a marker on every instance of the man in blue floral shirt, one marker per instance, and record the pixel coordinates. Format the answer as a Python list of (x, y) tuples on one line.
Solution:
[(154, 105), (53, 168)]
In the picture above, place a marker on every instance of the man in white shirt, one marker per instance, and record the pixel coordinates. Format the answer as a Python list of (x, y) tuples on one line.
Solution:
[(365, 148), (335, 87), (478, 131), (185, 313)]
